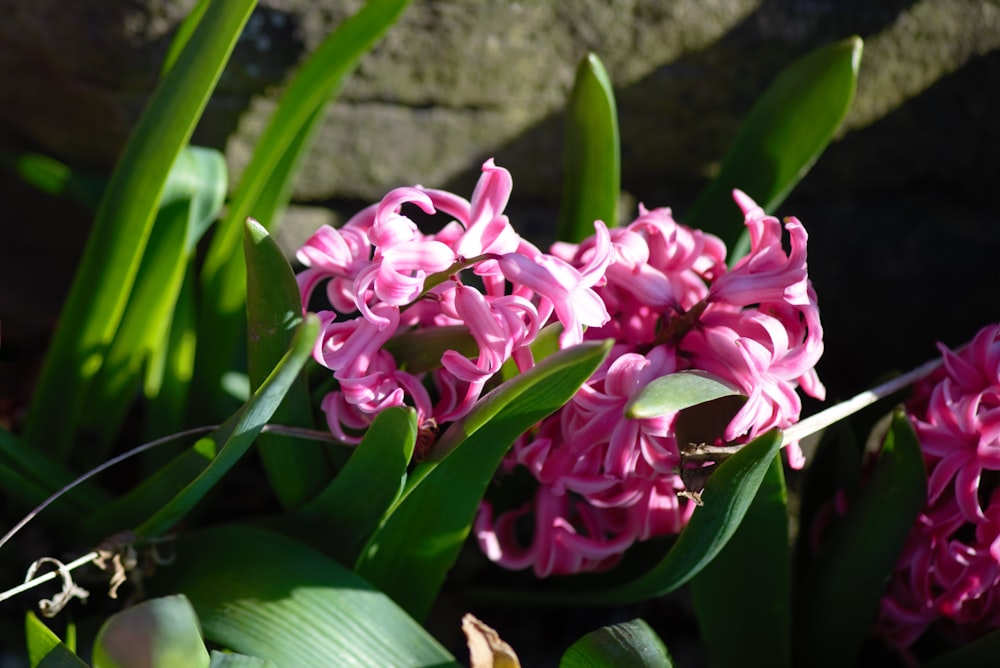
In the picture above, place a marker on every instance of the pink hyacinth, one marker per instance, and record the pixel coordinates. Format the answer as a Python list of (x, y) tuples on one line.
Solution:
[(606, 481), (949, 574), (659, 289)]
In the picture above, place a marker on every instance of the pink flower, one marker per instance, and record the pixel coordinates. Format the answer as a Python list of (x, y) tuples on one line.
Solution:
[(766, 274), (949, 573), (565, 287)]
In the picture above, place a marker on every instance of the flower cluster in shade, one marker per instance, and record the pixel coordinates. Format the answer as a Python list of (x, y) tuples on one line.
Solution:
[(948, 576), (660, 290)]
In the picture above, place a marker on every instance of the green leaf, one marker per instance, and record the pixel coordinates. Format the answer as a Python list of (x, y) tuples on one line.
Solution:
[(159, 633), (53, 177), (265, 595), (235, 437), (123, 223), (194, 195), (229, 660), (743, 597), (782, 136), (677, 391), (296, 469), (45, 650), (410, 554), (266, 182), (631, 644), (981, 653), (27, 473), (838, 598), (343, 516), (592, 155), (168, 375)]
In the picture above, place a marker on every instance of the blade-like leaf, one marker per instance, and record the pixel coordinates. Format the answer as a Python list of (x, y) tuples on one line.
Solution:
[(677, 391), (342, 517), (159, 633), (592, 156), (743, 597), (28, 471), (193, 197), (782, 136), (230, 660), (410, 554), (262, 594), (122, 226), (45, 649), (265, 184), (630, 644), (236, 436), (297, 470), (839, 595)]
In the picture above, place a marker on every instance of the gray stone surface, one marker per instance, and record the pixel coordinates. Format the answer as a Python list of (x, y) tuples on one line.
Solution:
[(457, 81)]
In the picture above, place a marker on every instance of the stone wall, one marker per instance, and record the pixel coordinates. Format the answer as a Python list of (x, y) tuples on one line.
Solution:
[(457, 81)]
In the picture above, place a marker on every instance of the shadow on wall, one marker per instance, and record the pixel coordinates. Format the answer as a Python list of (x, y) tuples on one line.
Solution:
[(903, 232)]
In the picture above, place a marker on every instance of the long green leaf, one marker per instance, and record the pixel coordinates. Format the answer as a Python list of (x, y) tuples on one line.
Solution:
[(262, 594), (123, 223), (53, 177), (296, 470), (343, 516), (231, 660), (838, 597), (239, 432), (266, 182), (782, 136), (45, 649), (592, 154), (194, 195), (410, 554), (630, 644), (743, 597), (29, 471)]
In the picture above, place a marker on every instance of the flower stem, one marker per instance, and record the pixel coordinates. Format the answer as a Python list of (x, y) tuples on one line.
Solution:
[(823, 419)]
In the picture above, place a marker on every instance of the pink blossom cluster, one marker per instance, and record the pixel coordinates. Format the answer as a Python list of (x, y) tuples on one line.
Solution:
[(949, 574), (384, 278), (605, 481), (660, 290)]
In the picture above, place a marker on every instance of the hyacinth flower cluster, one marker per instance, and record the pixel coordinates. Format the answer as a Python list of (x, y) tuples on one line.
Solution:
[(661, 291), (949, 573)]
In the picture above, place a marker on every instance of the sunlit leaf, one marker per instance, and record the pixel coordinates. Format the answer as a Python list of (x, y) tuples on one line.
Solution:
[(677, 391), (342, 517), (124, 220), (193, 197), (296, 469), (782, 136), (410, 554), (264, 188), (591, 156), (158, 633), (236, 435), (630, 644), (265, 595), (838, 597), (45, 649)]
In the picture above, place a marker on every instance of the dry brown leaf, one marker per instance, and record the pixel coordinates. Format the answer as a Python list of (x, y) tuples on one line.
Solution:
[(486, 649)]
